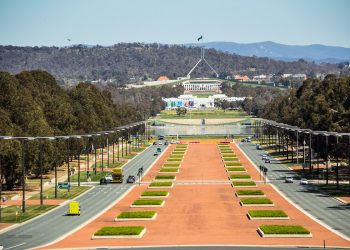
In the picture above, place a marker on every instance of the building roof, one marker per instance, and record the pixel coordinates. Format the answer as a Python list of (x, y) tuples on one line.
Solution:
[(163, 78)]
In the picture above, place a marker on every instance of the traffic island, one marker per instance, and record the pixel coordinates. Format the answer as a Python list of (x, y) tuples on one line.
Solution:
[(165, 177), (249, 193), (171, 165), (232, 164), (155, 194), (267, 215), (147, 203), (234, 159), (139, 215), (166, 184), (233, 170), (243, 184), (169, 170), (134, 232), (240, 177), (256, 201), (283, 231)]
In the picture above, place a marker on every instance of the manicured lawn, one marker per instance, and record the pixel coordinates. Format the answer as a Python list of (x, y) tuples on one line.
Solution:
[(147, 202), (94, 177), (61, 193), (243, 183), (228, 155), (172, 159), (182, 151), (177, 153), (161, 184), (8, 214), (111, 164), (155, 193), (229, 164), (114, 231), (283, 229), (178, 157), (171, 165), (230, 158), (236, 169), (250, 192), (165, 170), (138, 214), (267, 213), (257, 200), (240, 176), (165, 177), (129, 156)]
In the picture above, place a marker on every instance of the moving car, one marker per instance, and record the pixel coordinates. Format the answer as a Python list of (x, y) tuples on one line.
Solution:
[(109, 178), (131, 179), (304, 181), (166, 143), (267, 160), (264, 157), (160, 143), (288, 179), (258, 147), (155, 153), (155, 143), (243, 140), (103, 181)]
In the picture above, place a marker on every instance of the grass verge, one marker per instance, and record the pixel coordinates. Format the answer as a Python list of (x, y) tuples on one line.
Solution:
[(138, 214), (62, 194), (240, 176), (231, 164), (13, 214), (250, 192), (257, 200), (154, 193), (267, 213), (165, 170), (165, 177), (236, 169), (144, 202), (283, 229), (171, 165), (113, 231), (244, 183), (161, 184)]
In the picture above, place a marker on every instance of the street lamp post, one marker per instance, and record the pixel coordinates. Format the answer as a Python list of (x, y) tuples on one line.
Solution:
[(24, 150)]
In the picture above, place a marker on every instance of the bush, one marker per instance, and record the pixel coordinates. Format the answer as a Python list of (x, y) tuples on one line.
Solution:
[(139, 214), (164, 170), (236, 169), (161, 184), (233, 164), (283, 229), (243, 183), (267, 213), (147, 202), (258, 200), (165, 177), (155, 193), (240, 176), (114, 231), (250, 192)]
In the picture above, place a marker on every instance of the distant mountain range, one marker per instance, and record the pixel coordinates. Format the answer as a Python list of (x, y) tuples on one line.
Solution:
[(315, 52)]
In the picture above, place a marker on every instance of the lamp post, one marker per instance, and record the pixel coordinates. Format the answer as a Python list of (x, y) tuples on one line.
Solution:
[(24, 150), (78, 151), (107, 150)]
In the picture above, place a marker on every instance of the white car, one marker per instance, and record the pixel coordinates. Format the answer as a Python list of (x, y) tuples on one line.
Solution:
[(264, 157), (288, 179), (160, 143), (304, 181), (109, 178)]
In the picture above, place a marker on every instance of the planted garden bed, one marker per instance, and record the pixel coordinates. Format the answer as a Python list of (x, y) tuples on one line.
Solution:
[(284, 231), (240, 176), (230, 159), (250, 193), (161, 184), (232, 164), (228, 155), (171, 165), (172, 159), (256, 201), (236, 170), (119, 232), (138, 215), (267, 214), (165, 177), (147, 203), (148, 194), (244, 184)]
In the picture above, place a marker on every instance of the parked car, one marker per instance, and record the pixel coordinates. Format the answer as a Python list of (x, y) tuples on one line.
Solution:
[(131, 179), (109, 178), (288, 179), (304, 181)]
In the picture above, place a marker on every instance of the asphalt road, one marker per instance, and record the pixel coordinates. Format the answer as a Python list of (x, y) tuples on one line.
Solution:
[(55, 224), (322, 206)]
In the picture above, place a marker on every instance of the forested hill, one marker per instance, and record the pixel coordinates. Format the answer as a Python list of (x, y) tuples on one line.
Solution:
[(317, 105), (126, 61)]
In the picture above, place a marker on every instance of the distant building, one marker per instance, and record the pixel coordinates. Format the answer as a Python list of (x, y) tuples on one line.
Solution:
[(202, 85), (241, 78), (260, 78), (163, 78)]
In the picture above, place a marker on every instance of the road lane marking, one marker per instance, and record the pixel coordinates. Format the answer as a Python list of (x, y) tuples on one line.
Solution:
[(16, 246)]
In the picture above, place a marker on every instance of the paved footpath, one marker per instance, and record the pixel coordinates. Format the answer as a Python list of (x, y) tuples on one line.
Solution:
[(198, 213), (323, 207), (55, 224)]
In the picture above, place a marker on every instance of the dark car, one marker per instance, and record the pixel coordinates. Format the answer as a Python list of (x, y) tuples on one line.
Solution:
[(131, 179), (267, 160), (155, 143), (155, 153), (243, 140), (166, 143), (103, 181)]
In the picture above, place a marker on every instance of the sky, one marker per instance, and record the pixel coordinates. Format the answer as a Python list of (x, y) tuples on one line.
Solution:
[(107, 22)]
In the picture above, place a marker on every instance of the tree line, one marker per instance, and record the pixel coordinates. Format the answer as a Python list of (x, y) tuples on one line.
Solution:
[(33, 104)]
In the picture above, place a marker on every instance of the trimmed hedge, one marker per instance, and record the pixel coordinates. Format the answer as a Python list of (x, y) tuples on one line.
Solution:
[(244, 183), (284, 229), (257, 200), (250, 192), (165, 177), (114, 231), (229, 164), (139, 214), (165, 170), (240, 176), (267, 213), (236, 169), (161, 184), (155, 193), (147, 202)]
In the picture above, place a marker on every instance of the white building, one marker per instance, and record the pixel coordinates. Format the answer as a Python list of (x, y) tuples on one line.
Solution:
[(202, 85)]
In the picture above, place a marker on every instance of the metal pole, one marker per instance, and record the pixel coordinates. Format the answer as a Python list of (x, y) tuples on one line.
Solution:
[(107, 152), (88, 160), (327, 170), (337, 162), (102, 143), (122, 145), (68, 165), (118, 148), (24, 147), (41, 174), (113, 149), (297, 147), (310, 153), (78, 163), (95, 149)]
